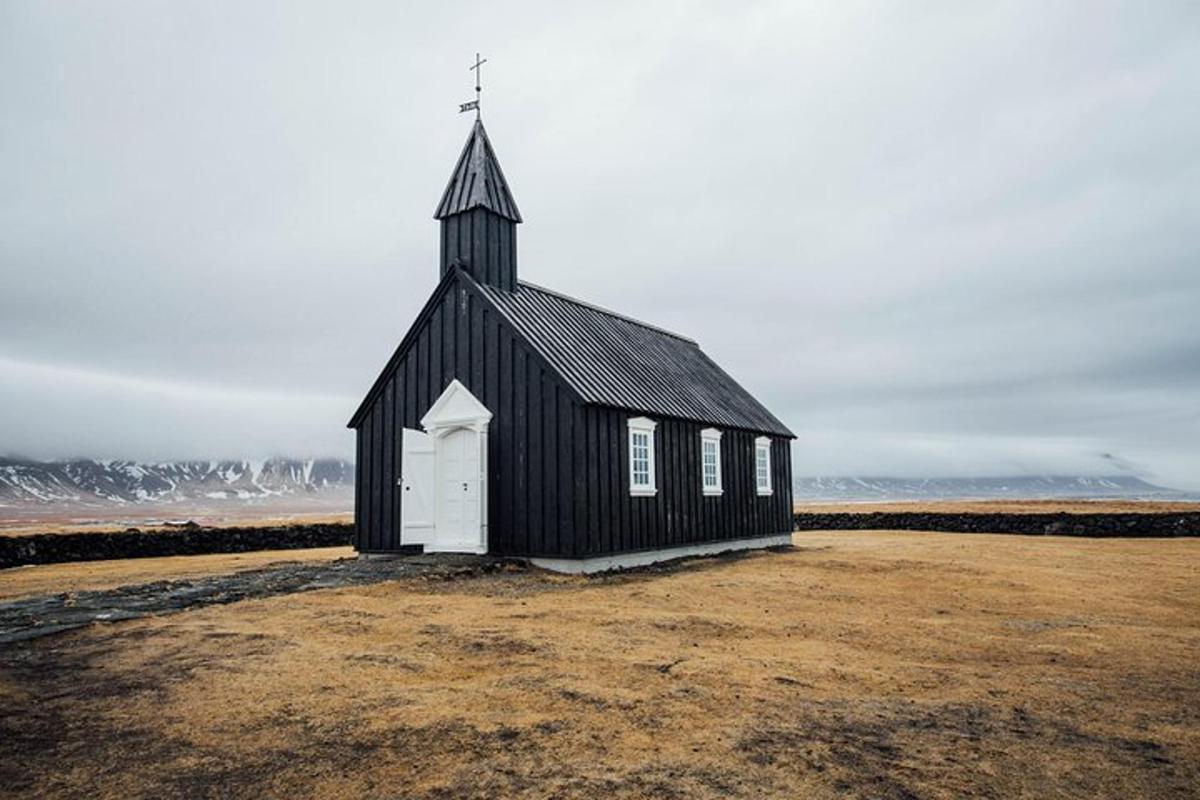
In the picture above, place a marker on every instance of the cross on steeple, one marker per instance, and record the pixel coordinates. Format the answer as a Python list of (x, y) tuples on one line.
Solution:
[(479, 62)]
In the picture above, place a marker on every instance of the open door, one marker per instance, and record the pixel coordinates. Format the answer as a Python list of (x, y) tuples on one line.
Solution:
[(417, 467)]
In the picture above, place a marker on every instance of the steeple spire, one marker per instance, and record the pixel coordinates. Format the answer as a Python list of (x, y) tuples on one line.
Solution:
[(478, 181), (479, 216)]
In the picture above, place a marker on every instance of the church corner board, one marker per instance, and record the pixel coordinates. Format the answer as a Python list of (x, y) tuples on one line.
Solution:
[(517, 421)]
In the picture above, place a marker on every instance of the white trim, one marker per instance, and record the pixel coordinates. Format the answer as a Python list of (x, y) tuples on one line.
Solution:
[(480, 550), (762, 444), (578, 566), (636, 426), (456, 408), (714, 436)]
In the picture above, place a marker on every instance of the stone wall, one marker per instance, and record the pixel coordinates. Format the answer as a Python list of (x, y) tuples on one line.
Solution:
[(52, 548), (1060, 524)]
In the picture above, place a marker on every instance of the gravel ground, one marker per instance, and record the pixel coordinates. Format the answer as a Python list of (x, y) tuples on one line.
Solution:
[(33, 617)]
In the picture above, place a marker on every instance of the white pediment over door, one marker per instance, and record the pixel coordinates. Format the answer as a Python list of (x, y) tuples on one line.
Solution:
[(456, 408)]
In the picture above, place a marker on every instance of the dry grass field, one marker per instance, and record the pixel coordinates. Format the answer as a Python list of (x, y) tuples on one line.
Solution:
[(864, 664)]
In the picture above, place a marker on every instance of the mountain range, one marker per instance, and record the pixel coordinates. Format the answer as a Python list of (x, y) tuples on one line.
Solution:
[(1016, 487), (112, 483)]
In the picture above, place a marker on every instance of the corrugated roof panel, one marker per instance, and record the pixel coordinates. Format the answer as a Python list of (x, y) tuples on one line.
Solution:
[(614, 360)]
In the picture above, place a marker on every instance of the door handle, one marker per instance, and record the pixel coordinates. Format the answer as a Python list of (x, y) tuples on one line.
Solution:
[(464, 487)]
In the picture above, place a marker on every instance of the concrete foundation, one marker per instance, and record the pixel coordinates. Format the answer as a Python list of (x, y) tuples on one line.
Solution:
[(577, 566)]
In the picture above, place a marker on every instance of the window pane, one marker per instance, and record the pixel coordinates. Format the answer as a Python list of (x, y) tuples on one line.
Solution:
[(710, 464), (639, 457)]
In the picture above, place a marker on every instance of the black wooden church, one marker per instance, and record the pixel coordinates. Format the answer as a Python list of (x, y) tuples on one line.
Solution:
[(514, 420)]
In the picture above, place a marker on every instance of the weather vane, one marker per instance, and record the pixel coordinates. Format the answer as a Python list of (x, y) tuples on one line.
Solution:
[(474, 104)]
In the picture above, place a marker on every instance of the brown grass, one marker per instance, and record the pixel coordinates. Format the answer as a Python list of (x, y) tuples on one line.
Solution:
[(864, 664)]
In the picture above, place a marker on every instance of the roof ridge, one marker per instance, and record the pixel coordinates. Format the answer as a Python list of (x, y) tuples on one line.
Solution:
[(607, 311)]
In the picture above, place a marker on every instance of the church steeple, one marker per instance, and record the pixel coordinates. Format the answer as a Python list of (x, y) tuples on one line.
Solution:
[(479, 216)]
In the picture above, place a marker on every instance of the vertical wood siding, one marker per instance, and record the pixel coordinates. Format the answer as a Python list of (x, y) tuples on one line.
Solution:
[(486, 243), (530, 487), (680, 513)]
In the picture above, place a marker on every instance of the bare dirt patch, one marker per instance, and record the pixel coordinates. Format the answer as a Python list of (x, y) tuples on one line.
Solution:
[(861, 664), (90, 576), (33, 617)]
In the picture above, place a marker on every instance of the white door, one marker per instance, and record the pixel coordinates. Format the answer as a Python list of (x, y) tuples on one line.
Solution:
[(459, 510), (417, 487)]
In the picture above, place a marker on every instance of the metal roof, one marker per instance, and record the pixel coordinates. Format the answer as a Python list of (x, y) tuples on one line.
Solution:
[(613, 360), (478, 181)]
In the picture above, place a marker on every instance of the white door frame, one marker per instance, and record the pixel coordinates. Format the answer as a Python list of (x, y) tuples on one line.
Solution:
[(457, 409)]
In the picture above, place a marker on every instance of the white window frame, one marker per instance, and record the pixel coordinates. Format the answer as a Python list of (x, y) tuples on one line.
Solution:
[(642, 425), (762, 445), (711, 436)]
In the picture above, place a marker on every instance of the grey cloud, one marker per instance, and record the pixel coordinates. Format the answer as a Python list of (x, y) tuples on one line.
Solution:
[(953, 239)]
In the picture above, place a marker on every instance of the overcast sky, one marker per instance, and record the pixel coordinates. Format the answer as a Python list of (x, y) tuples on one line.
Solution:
[(934, 238)]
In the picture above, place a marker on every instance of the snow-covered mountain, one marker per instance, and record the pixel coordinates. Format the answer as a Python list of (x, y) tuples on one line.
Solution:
[(85, 482), (1011, 487)]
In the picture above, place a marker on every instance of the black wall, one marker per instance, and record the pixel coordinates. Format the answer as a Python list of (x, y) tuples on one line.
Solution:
[(558, 471), (484, 243), (529, 497), (680, 514)]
